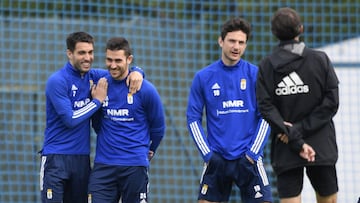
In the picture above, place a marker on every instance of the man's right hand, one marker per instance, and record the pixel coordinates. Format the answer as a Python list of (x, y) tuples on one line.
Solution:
[(99, 91), (307, 153)]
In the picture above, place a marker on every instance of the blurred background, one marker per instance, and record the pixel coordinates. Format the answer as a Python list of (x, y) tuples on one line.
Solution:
[(171, 41)]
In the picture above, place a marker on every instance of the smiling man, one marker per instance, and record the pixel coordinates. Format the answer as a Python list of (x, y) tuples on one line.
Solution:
[(71, 99), (236, 134), (129, 129)]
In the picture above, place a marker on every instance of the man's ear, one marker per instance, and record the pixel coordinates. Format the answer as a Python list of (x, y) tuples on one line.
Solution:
[(301, 29), (220, 41), (130, 59), (68, 53)]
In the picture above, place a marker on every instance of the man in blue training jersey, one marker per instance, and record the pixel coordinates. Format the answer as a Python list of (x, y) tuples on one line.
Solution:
[(236, 133), (71, 99), (129, 129)]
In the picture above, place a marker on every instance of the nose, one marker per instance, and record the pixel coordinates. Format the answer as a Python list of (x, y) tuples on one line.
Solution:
[(88, 56), (237, 46), (113, 64)]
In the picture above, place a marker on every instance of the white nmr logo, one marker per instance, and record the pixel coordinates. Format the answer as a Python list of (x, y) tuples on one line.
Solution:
[(117, 112), (233, 103), (291, 84), (82, 103)]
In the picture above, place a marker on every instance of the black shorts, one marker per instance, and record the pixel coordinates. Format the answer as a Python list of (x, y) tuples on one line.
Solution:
[(64, 178), (322, 178), (220, 174), (109, 183)]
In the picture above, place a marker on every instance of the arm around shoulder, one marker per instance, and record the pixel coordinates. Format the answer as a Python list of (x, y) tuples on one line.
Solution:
[(135, 79)]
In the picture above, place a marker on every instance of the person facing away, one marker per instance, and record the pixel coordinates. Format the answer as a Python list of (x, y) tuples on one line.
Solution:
[(71, 99), (232, 149), (297, 93), (129, 129)]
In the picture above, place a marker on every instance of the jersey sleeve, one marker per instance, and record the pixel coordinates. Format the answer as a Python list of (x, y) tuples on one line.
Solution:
[(56, 91), (97, 73), (194, 114), (138, 69), (155, 116), (259, 139)]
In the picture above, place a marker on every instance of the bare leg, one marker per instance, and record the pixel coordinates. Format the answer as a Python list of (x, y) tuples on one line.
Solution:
[(326, 199), (204, 201), (296, 199)]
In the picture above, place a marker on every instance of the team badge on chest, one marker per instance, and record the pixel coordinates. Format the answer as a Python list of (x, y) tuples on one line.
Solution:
[(130, 99), (243, 84)]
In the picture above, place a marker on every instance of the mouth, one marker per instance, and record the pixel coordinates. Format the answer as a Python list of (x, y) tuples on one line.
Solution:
[(235, 53), (86, 64), (114, 72)]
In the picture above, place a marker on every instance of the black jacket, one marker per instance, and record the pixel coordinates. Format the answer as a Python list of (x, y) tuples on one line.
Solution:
[(299, 85)]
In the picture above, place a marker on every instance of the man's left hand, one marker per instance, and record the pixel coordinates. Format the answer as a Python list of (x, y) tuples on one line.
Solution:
[(134, 81)]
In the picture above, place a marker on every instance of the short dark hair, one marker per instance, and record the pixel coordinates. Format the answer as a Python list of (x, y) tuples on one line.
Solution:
[(76, 37), (119, 43), (236, 24), (286, 24)]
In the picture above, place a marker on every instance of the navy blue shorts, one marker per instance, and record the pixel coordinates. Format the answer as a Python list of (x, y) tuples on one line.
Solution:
[(220, 174), (64, 178), (108, 184), (322, 178)]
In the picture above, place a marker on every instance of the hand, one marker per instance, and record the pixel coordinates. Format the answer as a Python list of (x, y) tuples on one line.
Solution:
[(150, 155), (134, 81), (307, 153), (99, 91), (282, 136)]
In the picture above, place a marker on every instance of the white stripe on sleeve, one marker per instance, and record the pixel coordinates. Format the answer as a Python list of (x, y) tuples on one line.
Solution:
[(84, 110), (260, 137), (200, 142)]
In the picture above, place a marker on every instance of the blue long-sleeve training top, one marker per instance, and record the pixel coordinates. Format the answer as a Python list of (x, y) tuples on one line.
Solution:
[(69, 107), (128, 126), (234, 124)]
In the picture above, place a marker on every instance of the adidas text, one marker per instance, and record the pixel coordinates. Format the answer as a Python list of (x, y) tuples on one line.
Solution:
[(292, 90)]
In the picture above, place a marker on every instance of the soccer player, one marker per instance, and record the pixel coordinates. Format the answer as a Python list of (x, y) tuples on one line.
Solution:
[(236, 134), (129, 129), (71, 99), (297, 93)]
